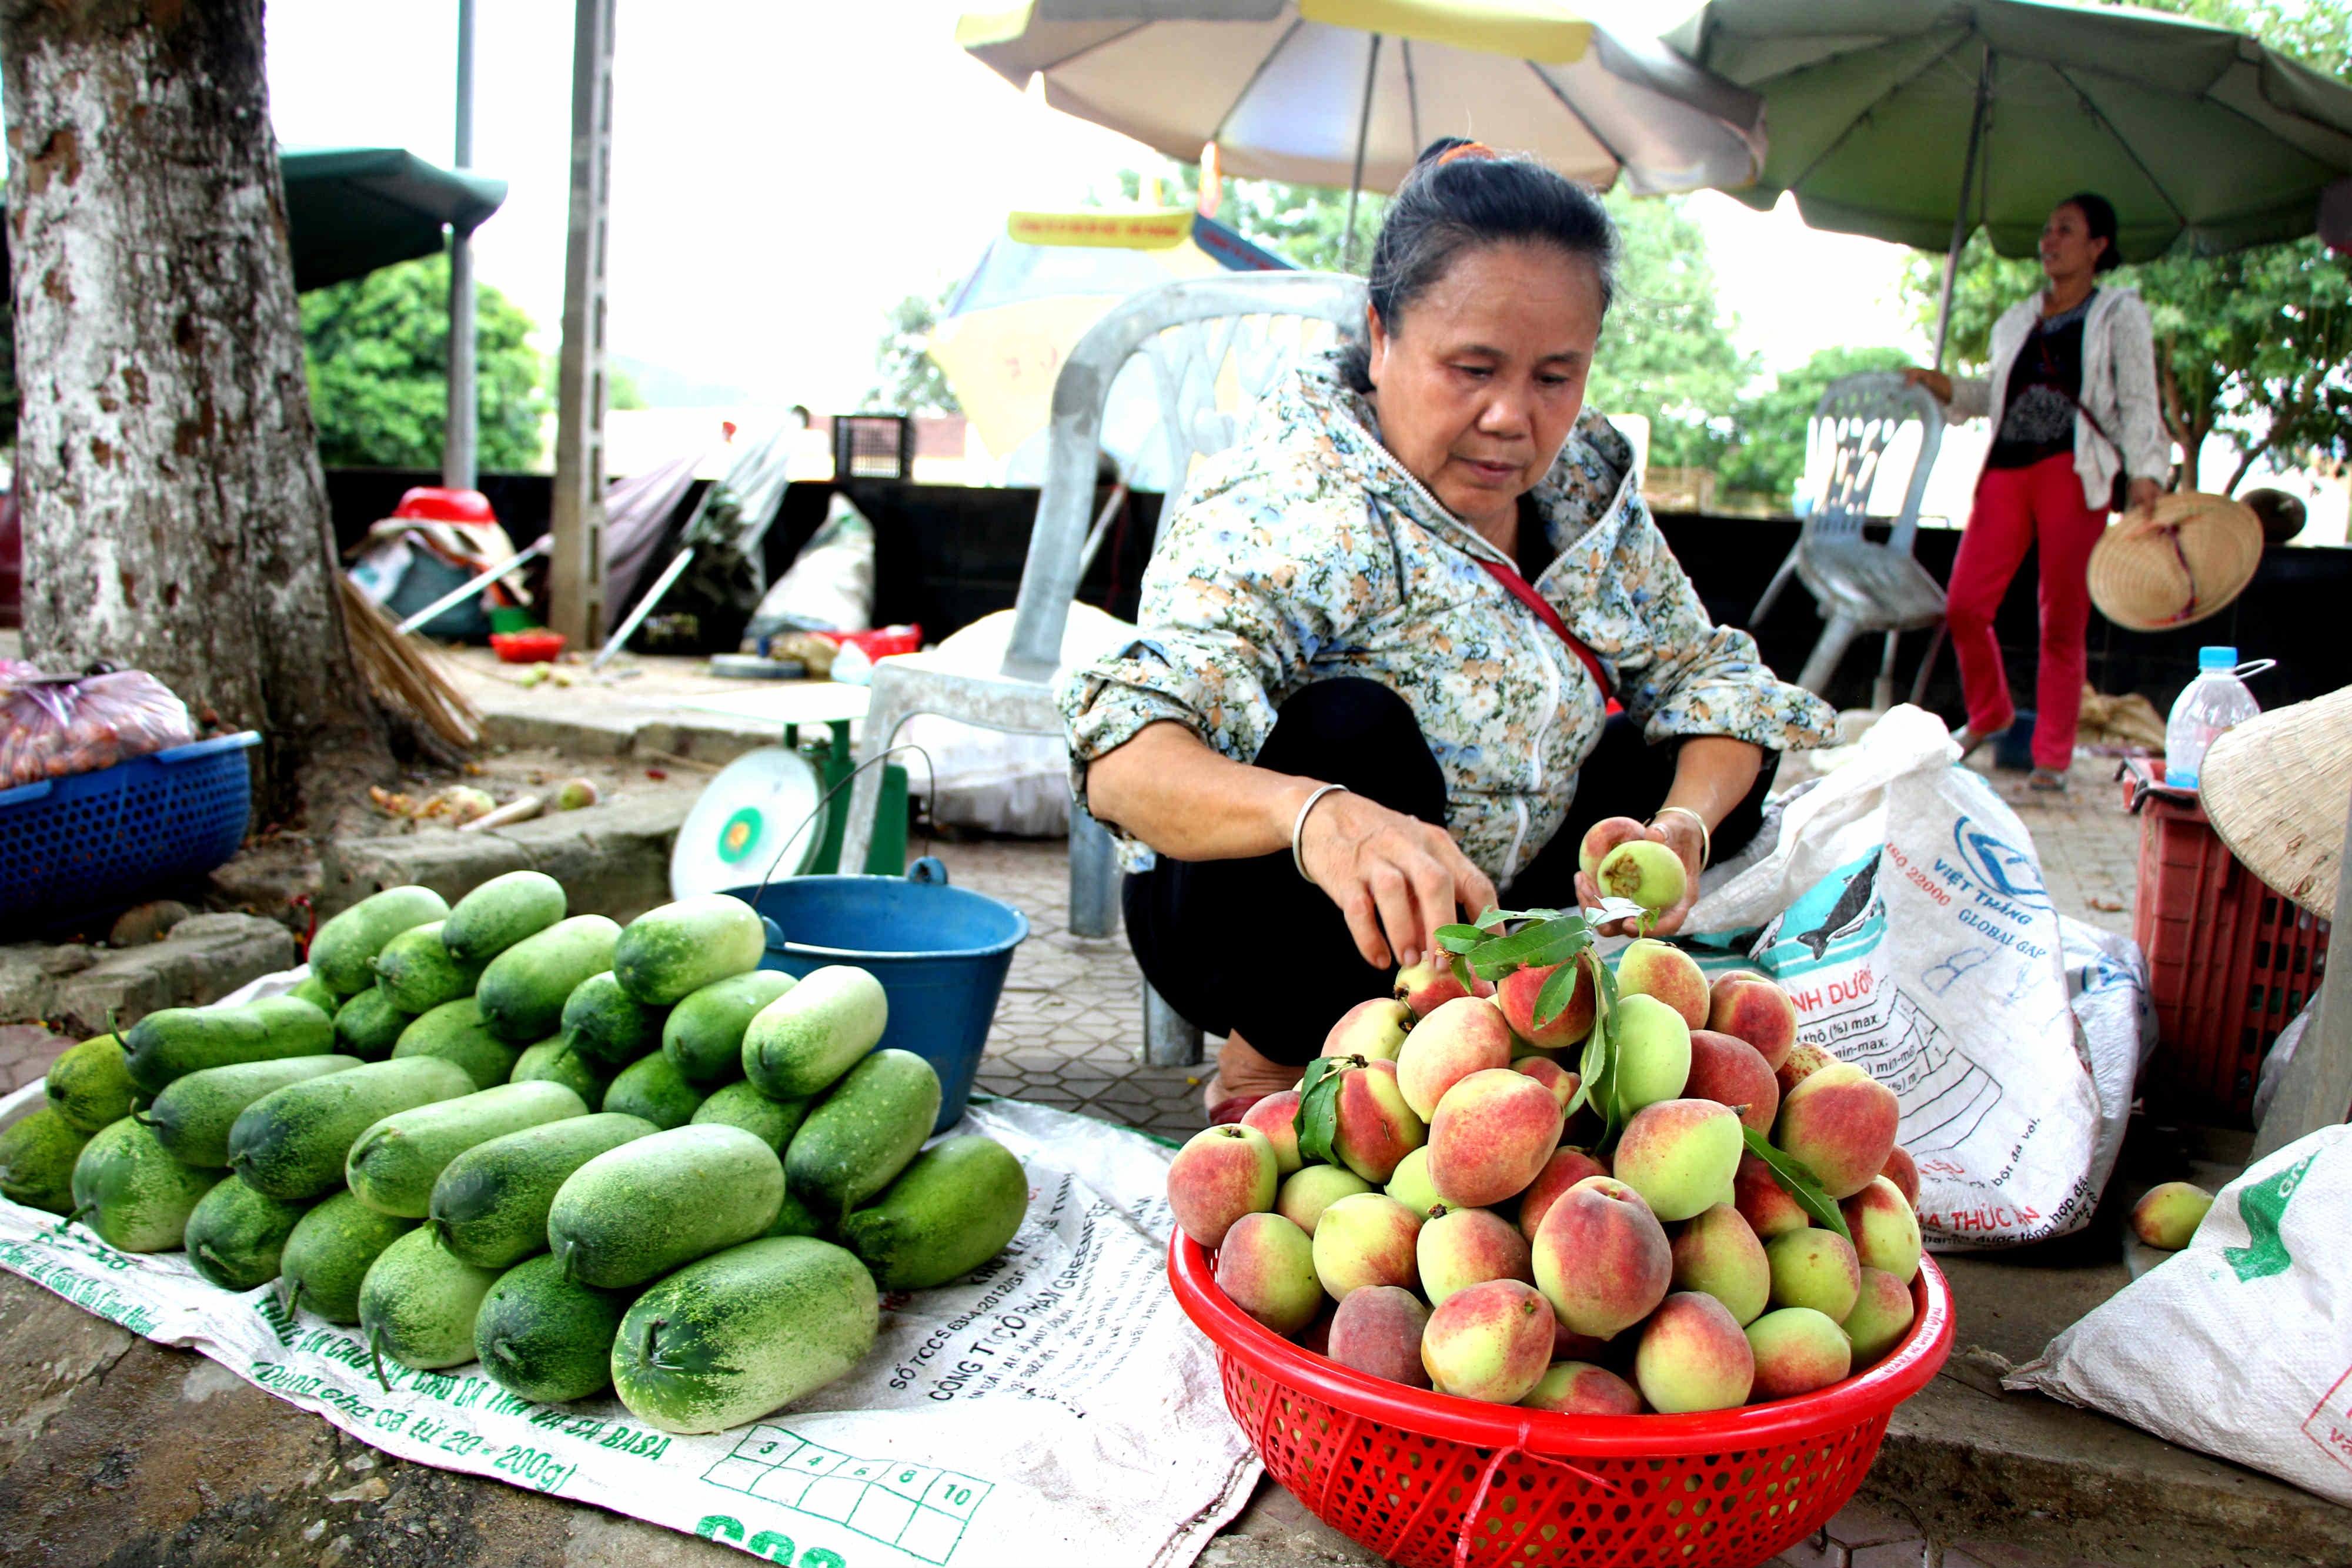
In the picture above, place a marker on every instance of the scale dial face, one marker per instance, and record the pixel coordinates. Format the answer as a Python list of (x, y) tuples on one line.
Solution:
[(761, 812)]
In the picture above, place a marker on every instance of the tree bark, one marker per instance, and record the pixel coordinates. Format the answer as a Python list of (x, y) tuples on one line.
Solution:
[(175, 514)]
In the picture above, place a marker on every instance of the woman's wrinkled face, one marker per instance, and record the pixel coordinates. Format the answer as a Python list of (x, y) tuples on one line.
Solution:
[(2067, 248), (1482, 377)]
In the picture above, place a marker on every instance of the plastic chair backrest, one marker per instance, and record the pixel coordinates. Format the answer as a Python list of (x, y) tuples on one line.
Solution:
[(1195, 331), (1859, 418)]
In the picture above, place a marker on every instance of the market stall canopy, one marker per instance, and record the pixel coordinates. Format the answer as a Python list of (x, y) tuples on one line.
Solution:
[(1003, 337), (350, 210), (1309, 90), (1920, 120)]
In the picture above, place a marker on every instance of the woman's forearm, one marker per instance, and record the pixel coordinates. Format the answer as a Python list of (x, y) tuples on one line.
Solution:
[(1713, 773), (1166, 786)]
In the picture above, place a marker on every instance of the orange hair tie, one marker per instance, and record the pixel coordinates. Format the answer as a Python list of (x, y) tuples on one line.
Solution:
[(1467, 149)]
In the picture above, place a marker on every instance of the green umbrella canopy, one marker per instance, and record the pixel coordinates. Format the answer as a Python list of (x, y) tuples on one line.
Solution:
[(350, 210), (1875, 106)]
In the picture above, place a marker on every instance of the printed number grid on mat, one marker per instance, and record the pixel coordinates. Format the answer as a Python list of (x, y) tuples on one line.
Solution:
[(919, 1509)]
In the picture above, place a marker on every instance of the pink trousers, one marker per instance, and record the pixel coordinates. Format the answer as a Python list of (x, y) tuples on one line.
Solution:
[(2016, 509)]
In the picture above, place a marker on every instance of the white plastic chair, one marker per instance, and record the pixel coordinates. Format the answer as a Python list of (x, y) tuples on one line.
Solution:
[(1860, 588), (1199, 335)]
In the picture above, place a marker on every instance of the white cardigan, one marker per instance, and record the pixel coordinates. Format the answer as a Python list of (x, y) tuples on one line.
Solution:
[(2118, 388)]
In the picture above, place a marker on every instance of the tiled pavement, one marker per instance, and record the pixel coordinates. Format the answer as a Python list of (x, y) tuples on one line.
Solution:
[(1071, 1020)]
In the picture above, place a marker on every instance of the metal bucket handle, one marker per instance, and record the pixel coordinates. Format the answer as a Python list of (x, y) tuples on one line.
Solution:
[(926, 870)]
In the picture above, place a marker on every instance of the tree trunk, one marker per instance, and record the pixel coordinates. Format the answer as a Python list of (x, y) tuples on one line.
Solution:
[(175, 515)]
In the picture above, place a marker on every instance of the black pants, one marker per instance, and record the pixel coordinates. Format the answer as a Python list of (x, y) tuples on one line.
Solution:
[(1249, 945)]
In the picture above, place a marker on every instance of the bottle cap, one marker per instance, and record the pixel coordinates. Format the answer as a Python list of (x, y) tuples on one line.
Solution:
[(2217, 658)]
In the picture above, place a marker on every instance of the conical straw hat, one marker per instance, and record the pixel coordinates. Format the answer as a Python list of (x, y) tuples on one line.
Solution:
[(2198, 555), (2276, 789)]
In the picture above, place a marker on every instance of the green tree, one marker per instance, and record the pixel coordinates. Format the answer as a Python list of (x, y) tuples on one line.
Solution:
[(908, 381), (1767, 457), (1667, 352), (378, 353)]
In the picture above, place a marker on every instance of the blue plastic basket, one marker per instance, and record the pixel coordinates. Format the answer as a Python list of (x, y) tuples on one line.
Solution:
[(941, 953), (96, 842)]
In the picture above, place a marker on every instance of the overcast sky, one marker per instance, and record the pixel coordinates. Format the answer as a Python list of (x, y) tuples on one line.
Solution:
[(783, 170)]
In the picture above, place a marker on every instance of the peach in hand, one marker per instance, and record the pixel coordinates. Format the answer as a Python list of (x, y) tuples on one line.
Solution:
[(1222, 1173), (1649, 967), (1305, 1194), (1367, 1239), (1797, 1350), (1377, 1331), (1490, 1342), (1752, 1007), (1692, 1357), (1464, 1036), (1267, 1267), (1680, 1156), (1603, 836), (1841, 1123), (2167, 1216), (1491, 1135), (1645, 871), (1580, 1388), (1602, 1259)]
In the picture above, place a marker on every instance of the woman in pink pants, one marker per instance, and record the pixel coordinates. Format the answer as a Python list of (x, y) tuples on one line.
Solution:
[(2076, 434)]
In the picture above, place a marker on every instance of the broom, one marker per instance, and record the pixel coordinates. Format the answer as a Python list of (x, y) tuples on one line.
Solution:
[(403, 676)]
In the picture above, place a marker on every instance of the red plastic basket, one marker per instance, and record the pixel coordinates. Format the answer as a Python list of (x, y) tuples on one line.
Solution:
[(1428, 1480), (881, 643), (2230, 961), (536, 646)]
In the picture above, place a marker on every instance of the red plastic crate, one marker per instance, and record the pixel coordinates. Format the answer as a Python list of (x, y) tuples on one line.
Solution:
[(2230, 960)]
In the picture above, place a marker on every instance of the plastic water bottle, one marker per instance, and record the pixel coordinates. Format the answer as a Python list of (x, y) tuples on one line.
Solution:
[(2215, 701)]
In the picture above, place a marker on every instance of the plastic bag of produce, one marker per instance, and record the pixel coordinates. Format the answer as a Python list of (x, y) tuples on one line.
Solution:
[(2240, 1345), (1902, 906), (54, 726), (830, 585)]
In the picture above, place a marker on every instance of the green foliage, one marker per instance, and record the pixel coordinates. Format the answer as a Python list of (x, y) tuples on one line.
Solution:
[(907, 380), (1769, 456), (378, 352), (1667, 352)]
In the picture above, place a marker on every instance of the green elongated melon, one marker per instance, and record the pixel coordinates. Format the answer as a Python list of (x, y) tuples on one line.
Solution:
[(605, 1023), (862, 1135), (135, 1196), (416, 974), (949, 1211), (340, 952), (392, 1165), (639, 1211), (192, 1118), (490, 1203), (175, 1042), (235, 1236), (418, 1304), (734, 1336), (655, 1089), (704, 1033), (546, 1337), (458, 1034), (797, 1045), (678, 948), (741, 1105), (523, 990), (500, 913), (554, 1062), (37, 1156), (318, 993), (369, 1026), (328, 1254), (291, 1143), (91, 1085)]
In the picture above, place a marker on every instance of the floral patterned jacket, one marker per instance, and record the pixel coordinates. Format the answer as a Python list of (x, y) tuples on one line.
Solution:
[(1307, 552)]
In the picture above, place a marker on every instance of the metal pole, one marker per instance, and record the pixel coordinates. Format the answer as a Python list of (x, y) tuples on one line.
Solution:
[(1960, 225), (576, 575), (2316, 1086), (1356, 184), (461, 435)]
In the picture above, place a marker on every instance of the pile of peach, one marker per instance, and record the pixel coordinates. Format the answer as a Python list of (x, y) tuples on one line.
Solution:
[(1469, 1235)]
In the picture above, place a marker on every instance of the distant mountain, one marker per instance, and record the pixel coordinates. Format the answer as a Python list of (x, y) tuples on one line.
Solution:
[(662, 387)]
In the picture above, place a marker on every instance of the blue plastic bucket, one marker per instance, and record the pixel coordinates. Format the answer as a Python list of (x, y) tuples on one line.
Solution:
[(941, 953)]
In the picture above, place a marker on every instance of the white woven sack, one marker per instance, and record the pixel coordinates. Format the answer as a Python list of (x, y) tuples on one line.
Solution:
[(1903, 907), (2240, 1344)]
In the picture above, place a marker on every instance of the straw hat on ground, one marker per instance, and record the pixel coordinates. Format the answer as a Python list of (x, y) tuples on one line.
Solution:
[(2276, 789), (2190, 559)]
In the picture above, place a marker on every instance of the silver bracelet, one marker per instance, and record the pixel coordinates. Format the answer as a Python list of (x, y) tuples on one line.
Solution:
[(1706, 839), (1299, 826)]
